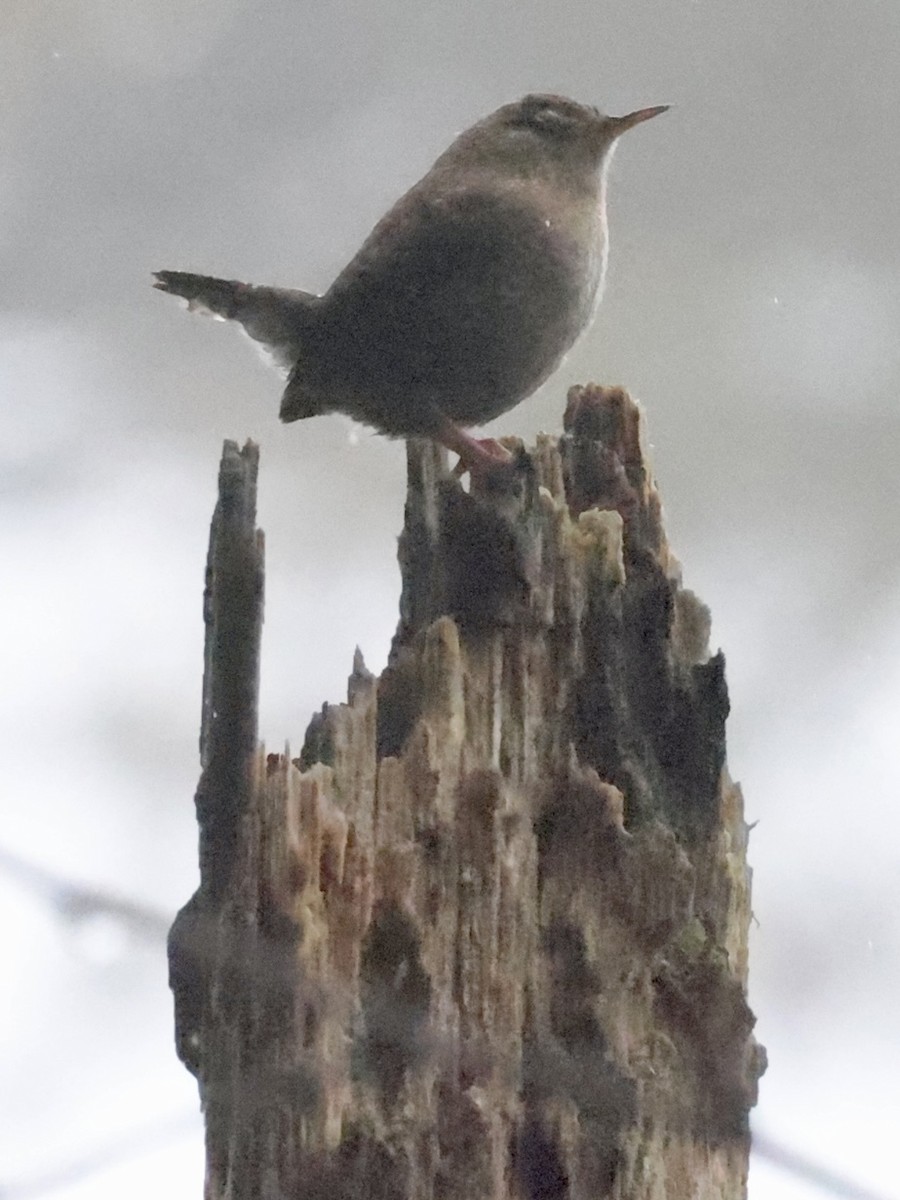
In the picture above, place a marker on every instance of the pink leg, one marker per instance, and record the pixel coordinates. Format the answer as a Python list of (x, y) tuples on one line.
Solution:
[(477, 456)]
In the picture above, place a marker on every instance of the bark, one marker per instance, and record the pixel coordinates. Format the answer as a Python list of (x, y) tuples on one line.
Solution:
[(486, 936)]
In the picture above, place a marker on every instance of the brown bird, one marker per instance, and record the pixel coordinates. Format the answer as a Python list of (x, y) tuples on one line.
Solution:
[(464, 298)]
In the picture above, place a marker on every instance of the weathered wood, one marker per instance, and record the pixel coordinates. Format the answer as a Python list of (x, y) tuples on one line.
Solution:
[(487, 935)]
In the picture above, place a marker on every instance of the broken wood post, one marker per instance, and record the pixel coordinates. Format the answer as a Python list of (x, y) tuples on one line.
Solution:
[(485, 937)]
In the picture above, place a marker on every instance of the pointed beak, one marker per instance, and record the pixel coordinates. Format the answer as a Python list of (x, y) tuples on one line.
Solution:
[(619, 125)]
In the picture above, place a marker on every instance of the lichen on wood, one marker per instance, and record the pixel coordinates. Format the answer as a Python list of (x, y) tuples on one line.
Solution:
[(486, 935)]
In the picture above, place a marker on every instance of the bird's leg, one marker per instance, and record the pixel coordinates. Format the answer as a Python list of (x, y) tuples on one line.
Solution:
[(479, 456)]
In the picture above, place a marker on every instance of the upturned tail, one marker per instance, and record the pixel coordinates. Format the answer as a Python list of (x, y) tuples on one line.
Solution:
[(277, 318)]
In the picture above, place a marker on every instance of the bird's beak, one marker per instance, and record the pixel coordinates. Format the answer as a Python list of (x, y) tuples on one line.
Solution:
[(618, 125)]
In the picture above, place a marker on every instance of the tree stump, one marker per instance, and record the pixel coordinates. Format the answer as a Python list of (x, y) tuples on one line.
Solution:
[(485, 938)]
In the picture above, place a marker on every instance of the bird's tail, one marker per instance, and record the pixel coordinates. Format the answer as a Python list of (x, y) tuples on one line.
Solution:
[(275, 317)]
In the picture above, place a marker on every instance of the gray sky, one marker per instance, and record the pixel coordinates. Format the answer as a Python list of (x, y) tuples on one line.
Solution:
[(752, 304)]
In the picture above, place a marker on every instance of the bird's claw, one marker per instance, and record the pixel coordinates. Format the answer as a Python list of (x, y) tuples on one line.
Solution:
[(480, 462)]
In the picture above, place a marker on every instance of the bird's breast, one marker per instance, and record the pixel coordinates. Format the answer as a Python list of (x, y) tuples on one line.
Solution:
[(466, 300)]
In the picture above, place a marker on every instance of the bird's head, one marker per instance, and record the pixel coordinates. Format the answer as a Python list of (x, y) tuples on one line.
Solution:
[(541, 131)]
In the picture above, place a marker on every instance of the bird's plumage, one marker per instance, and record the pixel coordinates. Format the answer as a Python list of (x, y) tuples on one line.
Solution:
[(466, 295)]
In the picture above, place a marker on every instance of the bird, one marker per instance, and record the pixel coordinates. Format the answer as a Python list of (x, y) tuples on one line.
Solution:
[(464, 298)]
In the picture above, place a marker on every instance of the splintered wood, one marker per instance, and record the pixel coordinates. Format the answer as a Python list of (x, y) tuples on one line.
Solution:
[(485, 937)]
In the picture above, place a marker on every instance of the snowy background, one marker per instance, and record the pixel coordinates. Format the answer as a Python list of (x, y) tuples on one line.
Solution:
[(753, 305)]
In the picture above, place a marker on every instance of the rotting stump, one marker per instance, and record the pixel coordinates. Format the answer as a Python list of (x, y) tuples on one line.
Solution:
[(486, 936)]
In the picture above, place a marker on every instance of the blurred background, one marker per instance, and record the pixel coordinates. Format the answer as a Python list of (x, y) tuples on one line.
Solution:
[(752, 304)]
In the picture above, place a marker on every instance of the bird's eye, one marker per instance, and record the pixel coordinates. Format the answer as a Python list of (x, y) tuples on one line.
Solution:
[(551, 117), (546, 118)]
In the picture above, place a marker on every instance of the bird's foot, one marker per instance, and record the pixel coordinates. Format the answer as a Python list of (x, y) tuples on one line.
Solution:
[(483, 458), (488, 456)]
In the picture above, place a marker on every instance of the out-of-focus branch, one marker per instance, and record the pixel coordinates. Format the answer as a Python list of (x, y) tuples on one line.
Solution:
[(80, 902), (811, 1171)]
